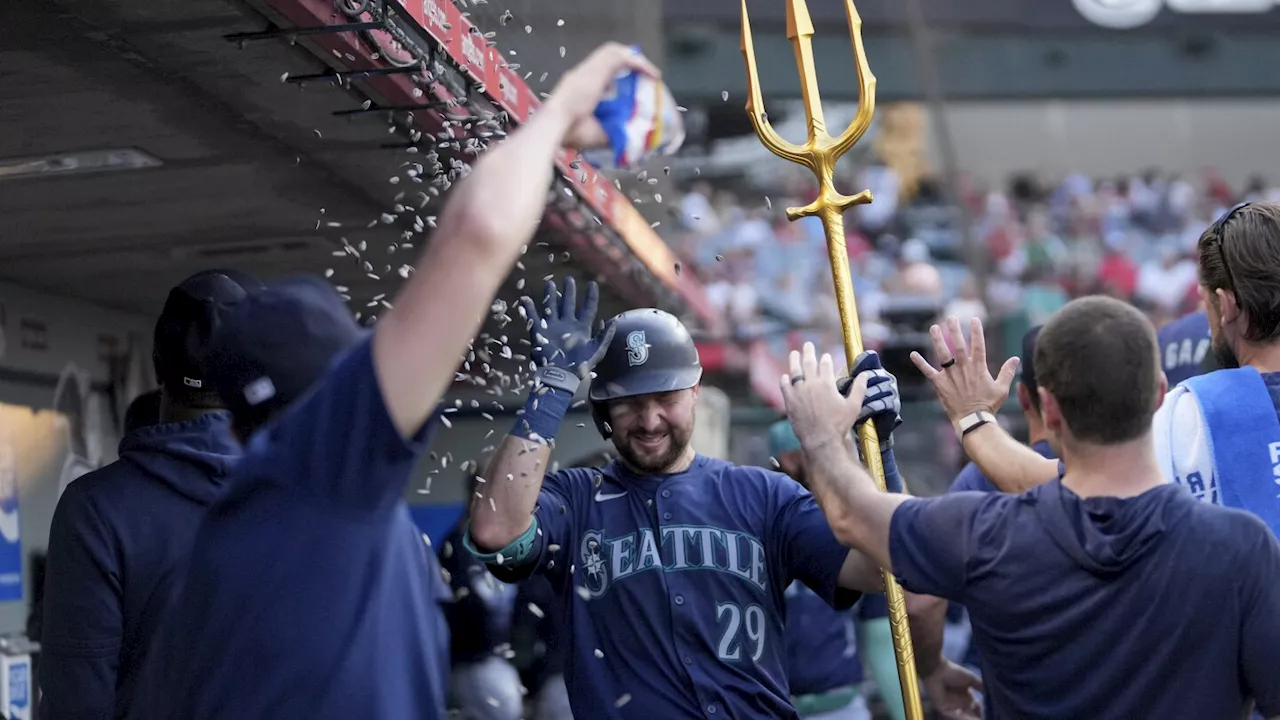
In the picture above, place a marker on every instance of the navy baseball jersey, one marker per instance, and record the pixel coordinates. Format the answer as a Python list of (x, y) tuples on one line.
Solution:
[(1153, 606), (1183, 346), (673, 586), (822, 644), (310, 592)]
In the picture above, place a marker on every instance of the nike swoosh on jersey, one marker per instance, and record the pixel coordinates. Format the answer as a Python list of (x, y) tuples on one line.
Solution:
[(601, 497)]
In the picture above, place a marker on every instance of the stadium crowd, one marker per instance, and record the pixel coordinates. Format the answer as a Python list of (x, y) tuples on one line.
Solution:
[(1042, 244)]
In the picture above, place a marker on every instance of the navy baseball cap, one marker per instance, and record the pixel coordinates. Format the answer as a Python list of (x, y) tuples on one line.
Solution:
[(192, 314), (1027, 363), (276, 344)]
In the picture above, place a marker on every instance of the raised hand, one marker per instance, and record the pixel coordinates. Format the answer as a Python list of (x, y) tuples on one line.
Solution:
[(962, 382), (561, 333), (820, 411), (584, 86)]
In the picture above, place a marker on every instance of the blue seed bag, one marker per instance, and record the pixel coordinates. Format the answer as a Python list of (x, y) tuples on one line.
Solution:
[(641, 119)]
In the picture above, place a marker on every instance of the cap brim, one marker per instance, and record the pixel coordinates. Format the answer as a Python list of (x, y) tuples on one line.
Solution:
[(646, 382)]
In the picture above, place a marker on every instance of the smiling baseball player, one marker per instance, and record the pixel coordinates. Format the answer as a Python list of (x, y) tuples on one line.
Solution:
[(672, 565)]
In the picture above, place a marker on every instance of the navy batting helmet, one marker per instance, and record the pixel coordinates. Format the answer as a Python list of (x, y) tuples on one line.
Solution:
[(651, 352)]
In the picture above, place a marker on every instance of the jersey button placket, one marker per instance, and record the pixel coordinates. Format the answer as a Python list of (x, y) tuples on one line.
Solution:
[(711, 709)]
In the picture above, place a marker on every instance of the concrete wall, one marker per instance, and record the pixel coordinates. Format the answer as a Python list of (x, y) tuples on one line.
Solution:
[(60, 366), (1240, 137)]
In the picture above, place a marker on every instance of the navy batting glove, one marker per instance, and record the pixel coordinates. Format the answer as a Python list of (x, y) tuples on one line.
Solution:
[(564, 348), (882, 404)]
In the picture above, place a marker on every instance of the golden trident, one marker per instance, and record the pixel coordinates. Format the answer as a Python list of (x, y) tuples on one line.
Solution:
[(819, 153)]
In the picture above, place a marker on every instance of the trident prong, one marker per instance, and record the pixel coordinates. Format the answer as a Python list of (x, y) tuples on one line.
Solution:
[(866, 86), (755, 104), (819, 153)]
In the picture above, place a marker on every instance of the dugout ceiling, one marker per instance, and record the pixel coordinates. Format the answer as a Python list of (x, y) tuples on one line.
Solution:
[(237, 163)]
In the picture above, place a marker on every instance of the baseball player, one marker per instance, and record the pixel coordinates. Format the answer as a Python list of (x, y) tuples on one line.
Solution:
[(1105, 593), (484, 685), (122, 533), (826, 650), (309, 591), (1184, 347), (671, 566)]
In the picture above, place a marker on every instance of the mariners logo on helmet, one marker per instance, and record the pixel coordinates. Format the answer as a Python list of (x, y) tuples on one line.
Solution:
[(637, 349)]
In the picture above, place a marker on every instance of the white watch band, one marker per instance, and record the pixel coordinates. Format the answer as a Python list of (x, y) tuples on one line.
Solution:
[(971, 422)]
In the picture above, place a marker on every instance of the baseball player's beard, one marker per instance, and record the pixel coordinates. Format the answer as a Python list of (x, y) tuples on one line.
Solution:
[(1223, 353), (653, 462)]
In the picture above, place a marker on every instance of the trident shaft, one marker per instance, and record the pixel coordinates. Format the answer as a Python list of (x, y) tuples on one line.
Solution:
[(819, 153)]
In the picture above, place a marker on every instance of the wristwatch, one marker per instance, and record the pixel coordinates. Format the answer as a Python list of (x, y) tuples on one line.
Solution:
[(971, 422)]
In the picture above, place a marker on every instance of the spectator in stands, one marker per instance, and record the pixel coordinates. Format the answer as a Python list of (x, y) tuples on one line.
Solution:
[(696, 212), (968, 304), (1118, 275), (915, 273), (1164, 282), (1042, 297), (121, 534)]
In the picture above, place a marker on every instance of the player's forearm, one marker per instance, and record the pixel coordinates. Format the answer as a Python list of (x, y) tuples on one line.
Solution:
[(859, 514), (489, 217), (1011, 466), (503, 510), (928, 616)]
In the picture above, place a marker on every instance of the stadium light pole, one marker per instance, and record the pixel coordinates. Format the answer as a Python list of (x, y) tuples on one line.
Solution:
[(931, 82)]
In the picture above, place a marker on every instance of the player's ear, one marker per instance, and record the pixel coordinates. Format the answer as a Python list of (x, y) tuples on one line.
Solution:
[(696, 389), (1050, 411), (1228, 308), (1024, 399)]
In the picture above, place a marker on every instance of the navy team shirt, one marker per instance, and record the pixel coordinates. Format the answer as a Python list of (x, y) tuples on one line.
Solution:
[(309, 593), (970, 478), (673, 586), (1155, 606), (822, 644), (1184, 343)]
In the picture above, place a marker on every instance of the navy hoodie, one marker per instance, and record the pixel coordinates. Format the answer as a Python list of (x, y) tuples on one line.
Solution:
[(1155, 606), (119, 541)]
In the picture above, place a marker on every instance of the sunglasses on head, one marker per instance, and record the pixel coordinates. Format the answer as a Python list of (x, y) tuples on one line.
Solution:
[(1219, 228)]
